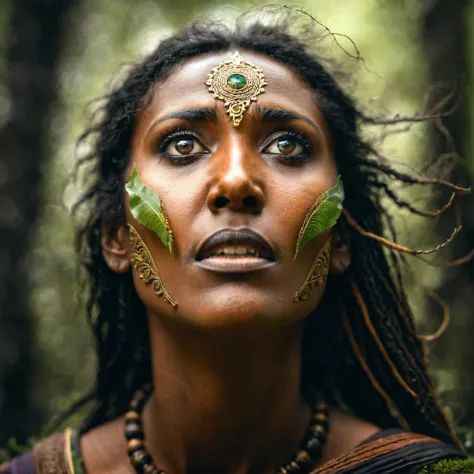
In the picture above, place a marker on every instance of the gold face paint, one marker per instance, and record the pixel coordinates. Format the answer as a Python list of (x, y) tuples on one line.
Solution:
[(237, 83), (146, 268), (317, 273)]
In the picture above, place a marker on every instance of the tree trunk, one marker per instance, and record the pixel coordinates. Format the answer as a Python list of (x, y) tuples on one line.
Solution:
[(445, 43), (32, 47)]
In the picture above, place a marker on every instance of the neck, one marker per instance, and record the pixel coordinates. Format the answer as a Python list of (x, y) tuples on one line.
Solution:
[(221, 403)]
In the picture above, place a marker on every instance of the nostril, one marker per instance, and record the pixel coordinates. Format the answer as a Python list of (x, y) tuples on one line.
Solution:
[(221, 201), (250, 202)]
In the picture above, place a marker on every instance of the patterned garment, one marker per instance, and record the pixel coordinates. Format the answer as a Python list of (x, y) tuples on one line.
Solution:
[(387, 452)]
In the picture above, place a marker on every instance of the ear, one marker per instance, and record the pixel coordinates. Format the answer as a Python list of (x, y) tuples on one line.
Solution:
[(114, 242), (340, 255)]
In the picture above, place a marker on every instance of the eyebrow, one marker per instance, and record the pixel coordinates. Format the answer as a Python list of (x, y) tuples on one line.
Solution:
[(192, 115), (282, 115), (210, 114)]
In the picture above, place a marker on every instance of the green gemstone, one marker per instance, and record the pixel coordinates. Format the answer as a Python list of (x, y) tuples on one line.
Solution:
[(237, 81)]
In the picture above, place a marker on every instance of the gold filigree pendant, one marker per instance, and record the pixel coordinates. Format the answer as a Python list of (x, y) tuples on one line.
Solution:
[(237, 83), (145, 266), (317, 274)]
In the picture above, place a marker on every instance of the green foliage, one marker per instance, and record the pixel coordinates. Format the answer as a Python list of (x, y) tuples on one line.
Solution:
[(148, 210), (322, 216), (14, 449), (450, 466)]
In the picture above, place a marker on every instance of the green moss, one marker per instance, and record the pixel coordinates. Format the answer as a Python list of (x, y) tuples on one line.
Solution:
[(450, 466)]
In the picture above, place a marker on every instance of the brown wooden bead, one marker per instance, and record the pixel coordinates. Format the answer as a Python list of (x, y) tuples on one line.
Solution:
[(302, 456), (139, 395), (321, 408), (320, 417), (135, 444), (290, 469), (132, 415)]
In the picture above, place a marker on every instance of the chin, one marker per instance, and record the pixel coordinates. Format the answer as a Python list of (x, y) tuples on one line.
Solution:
[(230, 309)]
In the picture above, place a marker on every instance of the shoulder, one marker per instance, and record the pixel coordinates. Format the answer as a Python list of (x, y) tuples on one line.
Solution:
[(104, 449), (22, 464), (346, 433), (398, 451), (52, 455)]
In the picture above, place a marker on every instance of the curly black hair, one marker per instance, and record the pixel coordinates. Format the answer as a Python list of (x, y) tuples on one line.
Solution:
[(377, 366)]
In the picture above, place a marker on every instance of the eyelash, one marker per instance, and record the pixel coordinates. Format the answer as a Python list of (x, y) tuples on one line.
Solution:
[(173, 136), (290, 160), (304, 141)]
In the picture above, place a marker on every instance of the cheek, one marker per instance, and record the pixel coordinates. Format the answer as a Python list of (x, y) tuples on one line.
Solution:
[(291, 199), (185, 201)]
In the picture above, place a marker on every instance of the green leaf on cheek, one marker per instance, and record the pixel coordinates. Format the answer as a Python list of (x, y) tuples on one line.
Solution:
[(148, 209), (322, 215)]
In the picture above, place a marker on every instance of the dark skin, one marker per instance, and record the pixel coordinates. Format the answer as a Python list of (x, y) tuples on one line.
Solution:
[(226, 363)]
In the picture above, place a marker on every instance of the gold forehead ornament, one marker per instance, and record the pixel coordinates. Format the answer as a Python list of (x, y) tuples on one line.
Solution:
[(237, 83)]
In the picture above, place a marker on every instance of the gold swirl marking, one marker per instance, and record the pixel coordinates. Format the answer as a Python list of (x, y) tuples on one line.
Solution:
[(317, 273), (144, 264)]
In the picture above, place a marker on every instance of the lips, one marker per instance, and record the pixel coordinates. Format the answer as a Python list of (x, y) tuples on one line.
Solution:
[(235, 250)]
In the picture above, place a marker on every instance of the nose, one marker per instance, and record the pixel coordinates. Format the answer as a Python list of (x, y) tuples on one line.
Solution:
[(236, 186)]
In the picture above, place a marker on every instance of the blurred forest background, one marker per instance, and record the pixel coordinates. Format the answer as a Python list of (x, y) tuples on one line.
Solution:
[(57, 55)]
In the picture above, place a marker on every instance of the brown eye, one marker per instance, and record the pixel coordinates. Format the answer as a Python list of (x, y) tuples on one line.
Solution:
[(285, 146), (184, 146)]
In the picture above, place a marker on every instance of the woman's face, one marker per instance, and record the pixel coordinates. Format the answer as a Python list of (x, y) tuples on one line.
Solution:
[(262, 176)]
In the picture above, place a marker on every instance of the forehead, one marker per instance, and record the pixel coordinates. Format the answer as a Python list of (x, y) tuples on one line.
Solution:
[(186, 86)]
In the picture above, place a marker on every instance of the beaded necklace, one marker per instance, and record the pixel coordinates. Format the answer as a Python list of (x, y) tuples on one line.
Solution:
[(309, 452)]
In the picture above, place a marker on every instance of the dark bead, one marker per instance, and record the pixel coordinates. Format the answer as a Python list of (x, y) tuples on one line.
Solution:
[(313, 446), (133, 430), (318, 433), (292, 468), (132, 421), (141, 459), (323, 424), (137, 405), (302, 458), (322, 408)]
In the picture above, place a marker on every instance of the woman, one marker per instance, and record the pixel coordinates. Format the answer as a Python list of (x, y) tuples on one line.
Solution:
[(247, 319)]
